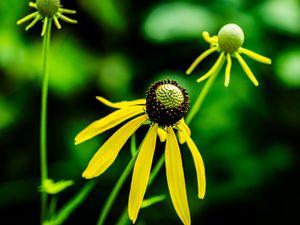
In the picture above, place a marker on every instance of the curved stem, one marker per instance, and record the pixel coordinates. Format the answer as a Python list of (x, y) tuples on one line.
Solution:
[(64, 213), (43, 122), (202, 95), (114, 193), (124, 220)]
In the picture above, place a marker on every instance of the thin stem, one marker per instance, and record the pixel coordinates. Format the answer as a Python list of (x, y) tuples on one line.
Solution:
[(64, 213), (202, 95), (43, 122), (114, 193), (124, 220)]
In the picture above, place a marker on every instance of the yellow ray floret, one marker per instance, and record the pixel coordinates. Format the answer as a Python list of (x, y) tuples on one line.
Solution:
[(199, 166), (106, 123), (141, 173), (122, 104), (246, 69), (108, 152), (175, 178), (199, 59), (255, 56), (183, 128), (215, 68)]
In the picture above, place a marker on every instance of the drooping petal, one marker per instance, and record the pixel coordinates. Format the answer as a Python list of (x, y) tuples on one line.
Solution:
[(56, 22), (214, 68), (246, 69), (45, 26), (199, 59), (182, 127), (37, 18), (66, 11), (162, 134), (175, 178), (122, 104), (141, 173), (199, 166), (107, 122), (108, 152), (65, 18), (255, 56), (206, 36), (227, 69), (28, 17)]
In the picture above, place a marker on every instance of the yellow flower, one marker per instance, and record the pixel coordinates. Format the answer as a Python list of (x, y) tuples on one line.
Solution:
[(47, 10), (164, 108), (228, 43)]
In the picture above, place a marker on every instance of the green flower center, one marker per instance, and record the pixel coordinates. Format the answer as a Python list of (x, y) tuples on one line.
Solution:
[(48, 8), (166, 103), (169, 95), (231, 38)]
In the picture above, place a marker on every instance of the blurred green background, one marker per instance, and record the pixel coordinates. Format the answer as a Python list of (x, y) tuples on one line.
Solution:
[(248, 136)]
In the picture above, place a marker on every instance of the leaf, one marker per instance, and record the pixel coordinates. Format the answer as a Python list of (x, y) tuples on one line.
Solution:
[(178, 20), (53, 188), (153, 200)]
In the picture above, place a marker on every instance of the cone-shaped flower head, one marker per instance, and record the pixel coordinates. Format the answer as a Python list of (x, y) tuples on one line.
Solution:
[(163, 109), (166, 103), (47, 10), (228, 43)]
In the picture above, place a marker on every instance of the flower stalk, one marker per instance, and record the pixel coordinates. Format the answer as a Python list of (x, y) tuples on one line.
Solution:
[(43, 123)]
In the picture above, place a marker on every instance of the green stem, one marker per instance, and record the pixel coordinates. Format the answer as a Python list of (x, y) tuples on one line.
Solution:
[(114, 193), (65, 212), (123, 220), (202, 95), (43, 122)]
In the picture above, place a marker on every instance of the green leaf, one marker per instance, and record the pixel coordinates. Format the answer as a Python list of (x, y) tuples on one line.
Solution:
[(283, 15), (178, 20), (287, 67), (153, 200), (53, 188)]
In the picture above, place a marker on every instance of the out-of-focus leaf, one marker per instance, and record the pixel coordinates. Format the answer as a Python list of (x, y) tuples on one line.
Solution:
[(7, 114), (51, 187), (178, 20), (283, 15), (115, 74), (287, 67), (105, 11)]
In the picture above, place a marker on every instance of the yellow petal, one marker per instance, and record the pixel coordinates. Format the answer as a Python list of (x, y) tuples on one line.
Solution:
[(206, 36), (199, 59), (162, 134), (255, 56), (199, 166), (246, 69), (175, 178), (122, 104), (182, 127), (141, 173), (214, 68), (28, 17), (108, 152), (227, 69), (111, 120)]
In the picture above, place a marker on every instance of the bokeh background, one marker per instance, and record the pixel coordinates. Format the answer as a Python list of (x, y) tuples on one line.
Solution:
[(248, 136)]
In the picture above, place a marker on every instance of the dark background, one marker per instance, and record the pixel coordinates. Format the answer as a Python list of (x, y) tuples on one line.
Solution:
[(248, 136)]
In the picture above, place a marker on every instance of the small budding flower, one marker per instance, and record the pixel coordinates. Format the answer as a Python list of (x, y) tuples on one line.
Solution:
[(164, 108), (47, 10), (228, 43)]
